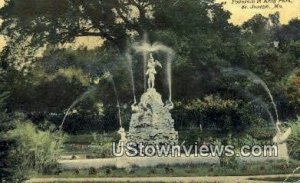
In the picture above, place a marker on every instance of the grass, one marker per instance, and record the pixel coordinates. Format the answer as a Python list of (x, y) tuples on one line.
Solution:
[(266, 168), (90, 138), (92, 144)]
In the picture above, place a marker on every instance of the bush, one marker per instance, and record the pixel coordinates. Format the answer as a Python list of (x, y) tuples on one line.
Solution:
[(37, 149), (108, 171), (10, 171), (291, 87), (152, 171), (169, 170), (218, 114), (294, 140), (76, 171), (92, 171)]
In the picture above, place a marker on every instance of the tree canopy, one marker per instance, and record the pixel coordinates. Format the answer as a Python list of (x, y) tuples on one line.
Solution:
[(200, 33)]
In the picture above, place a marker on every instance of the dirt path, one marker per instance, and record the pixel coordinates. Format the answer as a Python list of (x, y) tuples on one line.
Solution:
[(221, 179)]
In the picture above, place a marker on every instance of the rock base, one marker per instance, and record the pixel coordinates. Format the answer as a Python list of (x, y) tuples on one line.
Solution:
[(151, 121)]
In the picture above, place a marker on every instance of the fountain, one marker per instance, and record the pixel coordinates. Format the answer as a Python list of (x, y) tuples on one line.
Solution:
[(152, 124), (151, 121)]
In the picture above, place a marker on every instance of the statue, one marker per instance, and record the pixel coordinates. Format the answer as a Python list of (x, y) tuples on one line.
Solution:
[(123, 139), (280, 140), (151, 70)]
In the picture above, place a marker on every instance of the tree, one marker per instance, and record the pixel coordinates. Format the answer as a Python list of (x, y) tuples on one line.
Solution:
[(289, 32), (203, 39), (199, 32), (59, 21), (8, 162), (292, 90)]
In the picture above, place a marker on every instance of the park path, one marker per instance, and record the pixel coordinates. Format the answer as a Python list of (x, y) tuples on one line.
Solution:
[(219, 179)]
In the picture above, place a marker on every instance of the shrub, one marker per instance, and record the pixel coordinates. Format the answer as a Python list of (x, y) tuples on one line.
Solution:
[(76, 171), (92, 171), (291, 87), (294, 140), (37, 149), (214, 110), (152, 171), (108, 171), (219, 114), (245, 140), (168, 170)]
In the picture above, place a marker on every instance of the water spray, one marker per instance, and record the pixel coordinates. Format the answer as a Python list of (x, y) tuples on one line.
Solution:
[(92, 89), (280, 136), (105, 76), (145, 48), (111, 79), (129, 60), (255, 79), (156, 47)]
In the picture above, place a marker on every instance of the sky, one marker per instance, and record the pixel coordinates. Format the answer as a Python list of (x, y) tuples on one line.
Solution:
[(289, 9)]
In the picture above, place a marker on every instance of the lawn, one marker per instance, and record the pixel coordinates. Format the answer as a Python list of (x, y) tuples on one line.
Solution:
[(265, 168)]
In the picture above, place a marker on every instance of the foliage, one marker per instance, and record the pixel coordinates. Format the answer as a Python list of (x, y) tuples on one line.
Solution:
[(216, 113), (208, 105), (9, 166), (200, 33), (37, 149), (45, 93), (292, 89), (289, 32), (294, 140), (61, 21)]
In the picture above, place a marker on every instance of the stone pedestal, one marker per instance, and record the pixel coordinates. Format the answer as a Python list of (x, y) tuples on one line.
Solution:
[(151, 121)]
